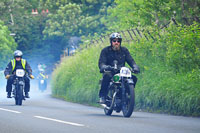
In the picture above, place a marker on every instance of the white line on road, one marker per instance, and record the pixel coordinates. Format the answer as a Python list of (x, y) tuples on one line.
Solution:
[(13, 111), (60, 121)]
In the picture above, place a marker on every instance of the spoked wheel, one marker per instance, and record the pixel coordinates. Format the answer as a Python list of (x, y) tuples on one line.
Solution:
[(128, 105), (108, 103), (19, 96), (108, 111)]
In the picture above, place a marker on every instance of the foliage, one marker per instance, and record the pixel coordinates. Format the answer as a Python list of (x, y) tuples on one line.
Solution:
[(149, 12), (90, 7), (7, 45), (82, 87), (66, 22), (186, 51), (14, 7), (70, 21), (28, 29), (91, 13)]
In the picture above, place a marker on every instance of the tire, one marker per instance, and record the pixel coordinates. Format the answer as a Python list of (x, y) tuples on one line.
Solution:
[(128, 105), (19, 95), (108, 103), (108, 112), (42, 87)]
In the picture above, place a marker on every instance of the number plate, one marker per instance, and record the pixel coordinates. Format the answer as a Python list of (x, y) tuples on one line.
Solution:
[(20, 73), (125, 72)]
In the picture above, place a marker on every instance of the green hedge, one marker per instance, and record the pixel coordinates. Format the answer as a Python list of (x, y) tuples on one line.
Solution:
[(169, 78), (76, 78)]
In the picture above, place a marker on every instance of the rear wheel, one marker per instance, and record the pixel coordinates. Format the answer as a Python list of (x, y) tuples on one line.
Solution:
[(129, 101)]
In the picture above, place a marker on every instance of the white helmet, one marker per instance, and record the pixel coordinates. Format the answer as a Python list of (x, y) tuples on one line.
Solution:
[(115, 35), (18, 53)]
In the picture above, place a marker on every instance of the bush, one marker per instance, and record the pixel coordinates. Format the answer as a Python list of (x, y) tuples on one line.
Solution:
[(76, 79)]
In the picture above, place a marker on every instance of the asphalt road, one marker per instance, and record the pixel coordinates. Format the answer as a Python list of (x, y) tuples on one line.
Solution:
[(44, 114)]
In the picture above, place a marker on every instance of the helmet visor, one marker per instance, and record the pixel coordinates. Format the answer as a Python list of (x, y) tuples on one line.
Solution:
[(18, 57)]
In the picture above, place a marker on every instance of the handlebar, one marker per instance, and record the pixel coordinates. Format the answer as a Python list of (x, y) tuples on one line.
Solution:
[(115, 69)]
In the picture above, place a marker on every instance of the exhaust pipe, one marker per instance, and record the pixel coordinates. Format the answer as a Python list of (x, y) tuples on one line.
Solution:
[(112, 104)]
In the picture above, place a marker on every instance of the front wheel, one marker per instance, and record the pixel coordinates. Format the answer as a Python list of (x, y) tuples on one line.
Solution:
[(42, 85), (129, 101), (107, 111), (109, 99), (19, 95)]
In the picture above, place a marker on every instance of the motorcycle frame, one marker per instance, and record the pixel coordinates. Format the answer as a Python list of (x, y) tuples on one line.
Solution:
[(115, 86), (17, 86)]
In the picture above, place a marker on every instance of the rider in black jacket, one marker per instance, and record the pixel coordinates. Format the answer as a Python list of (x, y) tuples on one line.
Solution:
[(110, 53), (17, 63)]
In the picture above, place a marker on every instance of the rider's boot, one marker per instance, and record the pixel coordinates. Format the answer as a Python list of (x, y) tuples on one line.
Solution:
[(102, 100), (27, 95), (9, 95)]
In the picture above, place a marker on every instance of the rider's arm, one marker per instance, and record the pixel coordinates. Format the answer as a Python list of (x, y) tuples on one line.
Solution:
[(131, 61), (8, 69), (129, 58), (28, 69), (102, 59)]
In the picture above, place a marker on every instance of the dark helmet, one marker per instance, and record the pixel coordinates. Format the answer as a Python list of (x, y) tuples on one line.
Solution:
[(18, 53), (115, 36)]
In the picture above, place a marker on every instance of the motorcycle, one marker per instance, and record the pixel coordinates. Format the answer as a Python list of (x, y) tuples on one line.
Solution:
[(42, 82), (18, 86), (121, 95)]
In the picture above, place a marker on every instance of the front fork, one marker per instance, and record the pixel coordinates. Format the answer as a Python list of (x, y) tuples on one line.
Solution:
[(17, 87), (123, 90), (125, 81)]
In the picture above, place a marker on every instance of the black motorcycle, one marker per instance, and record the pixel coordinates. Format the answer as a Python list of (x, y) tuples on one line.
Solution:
[(18, 86), (121, 95)]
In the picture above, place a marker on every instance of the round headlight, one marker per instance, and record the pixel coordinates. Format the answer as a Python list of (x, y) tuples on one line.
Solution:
[(116, 78)]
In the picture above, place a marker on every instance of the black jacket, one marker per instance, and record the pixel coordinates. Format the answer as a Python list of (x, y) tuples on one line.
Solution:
[(9, 71), (108, 55)]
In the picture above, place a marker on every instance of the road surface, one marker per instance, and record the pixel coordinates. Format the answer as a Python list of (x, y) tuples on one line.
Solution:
[(44, 114)]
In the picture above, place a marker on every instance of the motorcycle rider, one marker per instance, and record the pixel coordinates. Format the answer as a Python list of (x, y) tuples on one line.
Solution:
[(17, 63), (110, 53), (41, 76), (41, 67)]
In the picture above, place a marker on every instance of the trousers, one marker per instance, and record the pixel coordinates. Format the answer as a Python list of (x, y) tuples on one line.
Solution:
[(11, 80)]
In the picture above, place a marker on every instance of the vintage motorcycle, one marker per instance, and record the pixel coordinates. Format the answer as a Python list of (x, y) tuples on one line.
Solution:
[(121, 95), (18, 86), (42, 82)]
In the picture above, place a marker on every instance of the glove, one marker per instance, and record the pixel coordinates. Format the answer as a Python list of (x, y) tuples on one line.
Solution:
[(136, 69), (106, 68), (7, 76), (31, 76)]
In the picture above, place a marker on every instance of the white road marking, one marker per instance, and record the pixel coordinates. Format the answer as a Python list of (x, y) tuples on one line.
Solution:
[(13, 111), (60, 121)]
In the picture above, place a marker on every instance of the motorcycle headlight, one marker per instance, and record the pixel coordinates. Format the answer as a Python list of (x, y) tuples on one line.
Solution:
[(116, 78)]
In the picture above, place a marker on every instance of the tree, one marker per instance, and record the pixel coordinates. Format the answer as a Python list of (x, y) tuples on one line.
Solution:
[(132, 13), (69, 21), (90, 7), (7, 45)]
